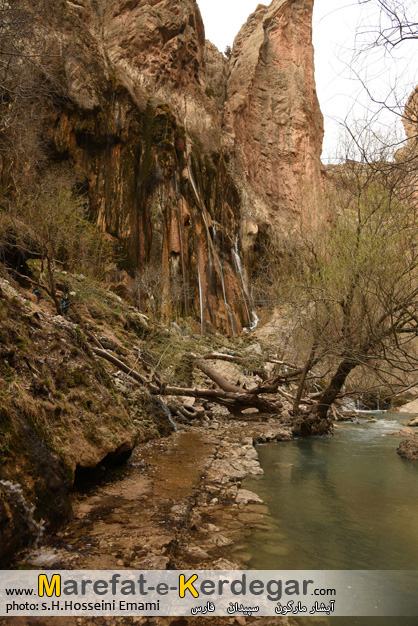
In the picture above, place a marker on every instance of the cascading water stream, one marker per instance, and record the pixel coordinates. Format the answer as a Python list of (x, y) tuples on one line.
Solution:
[(254, 320), (167, 411), (214, 233), (218, 261), (16, 493), (201, 207)]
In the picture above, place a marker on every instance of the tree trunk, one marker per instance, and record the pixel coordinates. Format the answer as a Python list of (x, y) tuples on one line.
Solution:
[(308, 366), (234, 398), (317, 422), (331, 392)]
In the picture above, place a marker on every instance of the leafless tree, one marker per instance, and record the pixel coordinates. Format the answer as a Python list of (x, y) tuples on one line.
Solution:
[(398, 22), (354, 289)]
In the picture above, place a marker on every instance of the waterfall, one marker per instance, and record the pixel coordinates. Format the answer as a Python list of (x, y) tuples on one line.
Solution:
[(214, 233), (238, 262), (183, 268), (196, 193), (218, 261), (27, 509), (167, 411), (245, 295), (256, 319), (202, 211)]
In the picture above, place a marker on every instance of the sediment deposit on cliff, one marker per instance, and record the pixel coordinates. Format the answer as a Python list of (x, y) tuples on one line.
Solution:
[(189, 159)]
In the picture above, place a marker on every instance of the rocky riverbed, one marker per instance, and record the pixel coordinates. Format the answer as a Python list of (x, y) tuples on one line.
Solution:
[(178, 504)]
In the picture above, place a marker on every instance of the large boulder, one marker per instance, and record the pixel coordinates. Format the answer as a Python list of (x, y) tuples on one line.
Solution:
[(408, 449)]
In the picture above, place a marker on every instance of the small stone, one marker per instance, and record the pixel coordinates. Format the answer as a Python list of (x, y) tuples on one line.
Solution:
[(231, 492), (245, 497), (212, 528), (408, 449), (152, 562), (255, 471), (221, 540), (223, 564), (196, 552), (255, 349), (241, 621)]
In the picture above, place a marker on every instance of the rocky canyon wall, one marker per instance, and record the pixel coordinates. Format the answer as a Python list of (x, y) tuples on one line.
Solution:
[(187, 156), (272, 117)]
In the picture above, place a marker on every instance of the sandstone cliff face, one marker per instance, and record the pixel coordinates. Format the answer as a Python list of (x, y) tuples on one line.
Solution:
[(273, 117), (185, 156)]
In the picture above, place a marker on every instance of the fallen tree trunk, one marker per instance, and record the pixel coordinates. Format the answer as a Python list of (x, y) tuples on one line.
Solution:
[(127, 370), (236, 399)]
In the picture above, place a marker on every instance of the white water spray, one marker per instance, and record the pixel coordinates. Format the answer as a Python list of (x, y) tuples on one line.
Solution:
[(254, 319), (16, 493), (214, 233), (167, 411), (255, 322)]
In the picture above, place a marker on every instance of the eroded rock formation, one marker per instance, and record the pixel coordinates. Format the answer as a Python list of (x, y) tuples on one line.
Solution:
[(187, 157), (273, 117)]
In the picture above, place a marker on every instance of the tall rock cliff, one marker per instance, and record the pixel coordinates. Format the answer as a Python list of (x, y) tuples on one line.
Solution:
[(272, 116), (186, 156)]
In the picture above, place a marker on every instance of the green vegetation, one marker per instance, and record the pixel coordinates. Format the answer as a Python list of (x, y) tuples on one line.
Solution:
[(353, 287)]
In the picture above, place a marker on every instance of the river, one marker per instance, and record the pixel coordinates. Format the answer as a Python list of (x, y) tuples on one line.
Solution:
[(343, 502)]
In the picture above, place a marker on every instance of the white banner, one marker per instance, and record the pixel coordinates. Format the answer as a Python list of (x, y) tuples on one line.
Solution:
[(217, 593)]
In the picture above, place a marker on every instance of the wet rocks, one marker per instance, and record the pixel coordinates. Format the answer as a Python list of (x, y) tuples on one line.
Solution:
[(14, 532), (408, 449), (282, 434), (411, 407), (223, 512), (413, 423), (247, 497)]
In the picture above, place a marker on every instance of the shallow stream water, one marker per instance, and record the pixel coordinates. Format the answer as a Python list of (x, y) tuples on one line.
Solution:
[(344, 502)]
